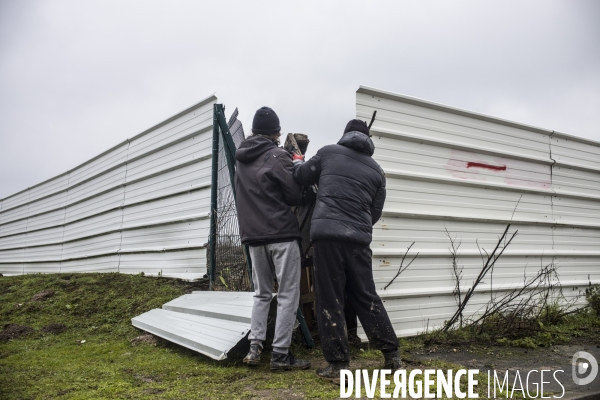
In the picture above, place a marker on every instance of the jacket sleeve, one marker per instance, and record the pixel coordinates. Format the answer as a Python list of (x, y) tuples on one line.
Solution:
[(378, 201), (292, 192), (308, 173)]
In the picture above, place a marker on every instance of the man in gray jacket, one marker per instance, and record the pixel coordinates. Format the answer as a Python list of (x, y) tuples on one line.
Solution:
[(265, 190)]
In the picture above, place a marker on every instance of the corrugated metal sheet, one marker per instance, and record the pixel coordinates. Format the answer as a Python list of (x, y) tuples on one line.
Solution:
[(451, 169), (230, 306), (213, 323), (141, 206)]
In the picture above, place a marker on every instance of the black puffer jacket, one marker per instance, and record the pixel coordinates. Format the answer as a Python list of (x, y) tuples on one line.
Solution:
[(265, 190), (351, 189)]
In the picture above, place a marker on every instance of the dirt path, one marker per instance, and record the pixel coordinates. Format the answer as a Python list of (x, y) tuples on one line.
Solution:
[(558, 357)]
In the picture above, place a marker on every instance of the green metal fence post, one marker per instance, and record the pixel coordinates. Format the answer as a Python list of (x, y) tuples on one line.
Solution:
[(308, 340), (228, 144), (212, 241)]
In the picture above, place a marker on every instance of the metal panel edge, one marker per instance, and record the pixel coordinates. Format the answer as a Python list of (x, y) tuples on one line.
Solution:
[(442, 107)]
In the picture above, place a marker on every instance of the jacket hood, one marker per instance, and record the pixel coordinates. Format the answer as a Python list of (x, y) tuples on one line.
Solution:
[(358, 141), (253, 147)]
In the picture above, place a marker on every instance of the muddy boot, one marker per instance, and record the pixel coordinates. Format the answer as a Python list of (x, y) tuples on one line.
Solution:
[(286, 362), (392, 360), (332, 371), (253, 356)]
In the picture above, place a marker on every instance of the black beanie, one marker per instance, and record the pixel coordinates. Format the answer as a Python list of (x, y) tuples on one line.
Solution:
[(265, 122), (358, 126)]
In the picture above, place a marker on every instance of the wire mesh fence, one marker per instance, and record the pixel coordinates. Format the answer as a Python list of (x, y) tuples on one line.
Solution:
[(231, 273)]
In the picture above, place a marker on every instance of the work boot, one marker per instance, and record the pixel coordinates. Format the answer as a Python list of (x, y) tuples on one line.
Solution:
[(332, 371), (286, 362), (392, 360), (253, 356)]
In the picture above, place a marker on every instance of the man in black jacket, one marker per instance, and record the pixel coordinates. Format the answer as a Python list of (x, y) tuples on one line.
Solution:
[(349, 202), (265, 190)]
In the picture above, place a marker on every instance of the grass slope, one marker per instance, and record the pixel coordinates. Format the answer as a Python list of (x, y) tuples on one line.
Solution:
[(97, 309)]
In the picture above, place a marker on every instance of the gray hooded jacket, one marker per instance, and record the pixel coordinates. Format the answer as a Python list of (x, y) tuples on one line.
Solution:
[(265, 190)]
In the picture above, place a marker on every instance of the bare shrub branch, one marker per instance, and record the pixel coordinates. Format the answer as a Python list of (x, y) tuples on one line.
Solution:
[(401, 269), (457, 272), (501, 245)]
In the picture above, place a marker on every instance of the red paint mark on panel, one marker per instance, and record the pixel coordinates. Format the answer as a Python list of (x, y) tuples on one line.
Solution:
[(486, 166)]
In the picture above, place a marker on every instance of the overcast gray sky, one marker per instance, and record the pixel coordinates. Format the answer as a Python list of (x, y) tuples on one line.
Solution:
[(77, 77)]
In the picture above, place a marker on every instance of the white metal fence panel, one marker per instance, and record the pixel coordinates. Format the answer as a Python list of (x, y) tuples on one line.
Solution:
[(572, 151), (142, 206), (458, 173)]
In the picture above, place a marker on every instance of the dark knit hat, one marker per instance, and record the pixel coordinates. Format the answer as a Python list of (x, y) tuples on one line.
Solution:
[(358, 126), (265, 122)]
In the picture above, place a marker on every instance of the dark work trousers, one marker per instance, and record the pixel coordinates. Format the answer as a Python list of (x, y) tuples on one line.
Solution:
[(343, 268)]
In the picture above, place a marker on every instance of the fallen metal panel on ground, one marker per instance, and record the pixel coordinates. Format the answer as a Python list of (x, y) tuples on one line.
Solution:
[(233, 306), (215, 324)]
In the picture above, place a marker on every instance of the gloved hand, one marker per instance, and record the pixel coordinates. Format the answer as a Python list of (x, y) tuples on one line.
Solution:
[(297, 159), (289, 148), (309, 195)]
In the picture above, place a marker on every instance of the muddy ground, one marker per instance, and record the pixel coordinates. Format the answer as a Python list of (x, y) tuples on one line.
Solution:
[(501, 359)]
